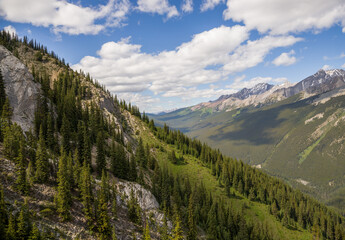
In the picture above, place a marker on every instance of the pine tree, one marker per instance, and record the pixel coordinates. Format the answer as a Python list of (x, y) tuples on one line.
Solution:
[(114, 204), (42, 167), (177, 233), (3, 214), (87, 147), (2, 92), (24, 224), (140, 154), (64, 192), (5, 119), (147, 232), (11, 232), (86, 193), (100, 161), (65, 133), (22, 184), (133, 175), (35, 233), (192, 231), (103, 224), (50, 132), (76, 169)]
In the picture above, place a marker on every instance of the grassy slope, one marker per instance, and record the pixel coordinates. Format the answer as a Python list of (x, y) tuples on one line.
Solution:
[(278, 138), (197, 173)]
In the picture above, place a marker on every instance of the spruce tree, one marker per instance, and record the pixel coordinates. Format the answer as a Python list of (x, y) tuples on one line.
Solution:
[(147, 232), (35, 233), (114, 204), (133, 175), (64, 192), (5, 119), (100, 161), (103, 224), (140, 154), (192, 231), (177, 233), (3, 214), (42, 167), (24, 224), (87, 147), (11, 233), (2, 92), (22, 184), (86, 193), (65, 133)]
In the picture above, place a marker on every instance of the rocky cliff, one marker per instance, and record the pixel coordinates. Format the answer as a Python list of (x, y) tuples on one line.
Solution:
[(20, 88)]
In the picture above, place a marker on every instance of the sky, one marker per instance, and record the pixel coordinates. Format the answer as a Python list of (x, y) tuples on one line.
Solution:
[(167, 54)]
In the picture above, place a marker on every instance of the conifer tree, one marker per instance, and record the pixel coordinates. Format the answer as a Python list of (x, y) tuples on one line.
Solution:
[(50, 132), (76, 169), (35, 233), (5, 119), (86, 193), (42, 167), (147, 232), (2, 92), (64, 192), (103, 224), (87, 147), (133, 175), (140, 154), (24, 224), (164, 230), (22, 184), (65, 133), (192, 231), (3, 214), (100, 161), (114, 204), (177, 233), (11, 232)]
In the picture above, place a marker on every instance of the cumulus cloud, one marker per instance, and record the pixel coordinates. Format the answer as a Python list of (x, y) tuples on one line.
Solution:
[(209, 4), (326, 67), (209, 57), (254, 52), (281, 16), (187, 6), (65, 17), (10, 29), (285, 59), (157, 6)]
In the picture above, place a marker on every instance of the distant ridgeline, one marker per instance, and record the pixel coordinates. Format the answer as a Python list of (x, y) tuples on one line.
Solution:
[(85, 142)]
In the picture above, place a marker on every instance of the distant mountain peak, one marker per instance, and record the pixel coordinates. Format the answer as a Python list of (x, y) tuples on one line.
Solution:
[(247, 92)]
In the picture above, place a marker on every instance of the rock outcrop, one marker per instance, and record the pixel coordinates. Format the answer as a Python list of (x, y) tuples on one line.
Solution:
[(20, 88)]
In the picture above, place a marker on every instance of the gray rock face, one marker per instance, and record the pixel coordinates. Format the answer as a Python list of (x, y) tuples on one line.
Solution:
[(247, 92), (20, 88), (321, 82)]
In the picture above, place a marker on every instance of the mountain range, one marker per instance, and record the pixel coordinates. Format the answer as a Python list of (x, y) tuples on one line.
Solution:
[(294, 131)]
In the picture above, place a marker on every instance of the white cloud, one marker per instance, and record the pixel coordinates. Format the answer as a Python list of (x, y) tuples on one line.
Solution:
[(65, 17), (281, 16), (254, 52), (326, 67), (343, 66), (285, 59), (157, 6), (209, 4), (240, 84), (10, 29), (187, 6), (142, 101), (209, 57)]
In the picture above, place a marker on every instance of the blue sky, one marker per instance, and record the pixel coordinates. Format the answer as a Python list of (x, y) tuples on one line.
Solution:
[(162, 54)]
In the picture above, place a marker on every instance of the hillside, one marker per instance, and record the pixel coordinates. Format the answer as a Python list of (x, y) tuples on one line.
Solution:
[(90, 166), (299, 138)]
